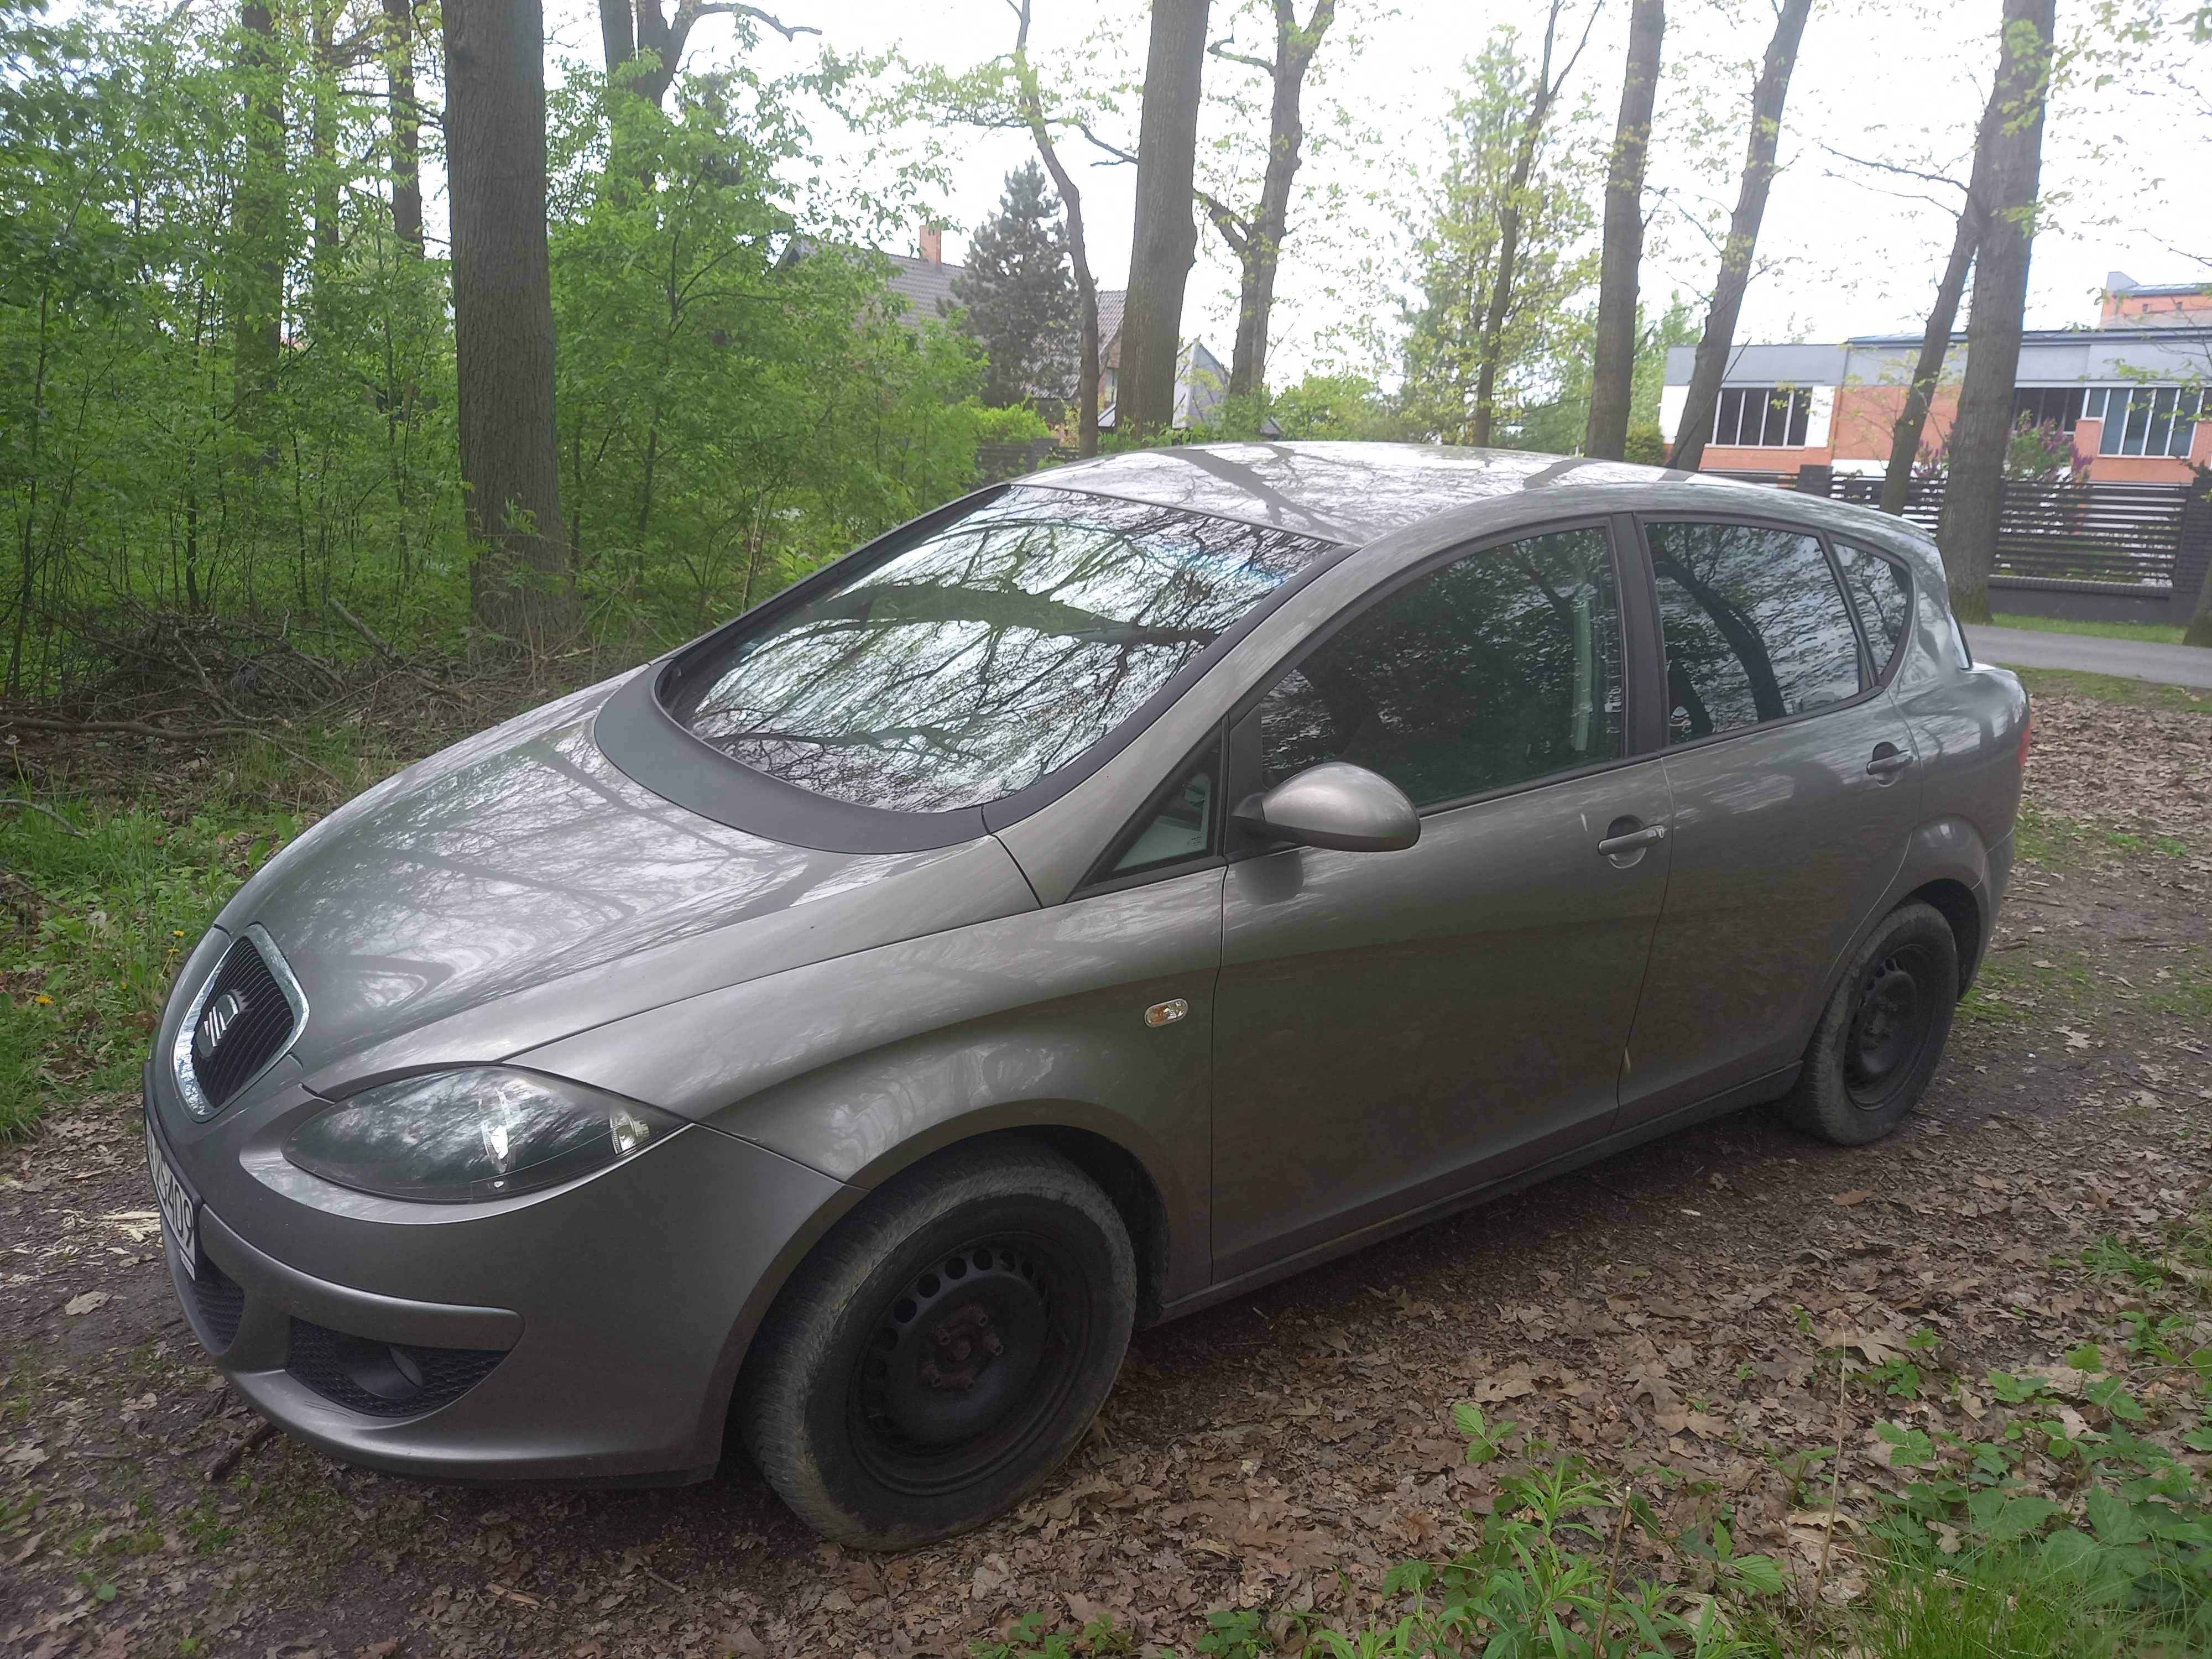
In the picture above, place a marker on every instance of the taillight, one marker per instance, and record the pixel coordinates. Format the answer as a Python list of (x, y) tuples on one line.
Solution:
[(2027, 726)]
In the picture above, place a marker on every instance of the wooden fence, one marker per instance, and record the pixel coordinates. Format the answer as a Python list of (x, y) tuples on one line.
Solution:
[(2122, 534)]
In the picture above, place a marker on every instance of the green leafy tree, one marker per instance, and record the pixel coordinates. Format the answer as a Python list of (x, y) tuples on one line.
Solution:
[(1512, 357), (1020, 295), (1338, 406)]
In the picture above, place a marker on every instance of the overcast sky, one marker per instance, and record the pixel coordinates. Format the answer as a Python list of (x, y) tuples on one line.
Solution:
[(2127, 168)]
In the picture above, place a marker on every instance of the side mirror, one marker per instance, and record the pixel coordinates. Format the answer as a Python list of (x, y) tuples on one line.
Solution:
[(1334, 804)]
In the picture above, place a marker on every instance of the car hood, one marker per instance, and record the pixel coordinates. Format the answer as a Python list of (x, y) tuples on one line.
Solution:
[(518, 887)]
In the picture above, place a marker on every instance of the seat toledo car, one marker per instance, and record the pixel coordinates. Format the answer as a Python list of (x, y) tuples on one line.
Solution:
[(1106, 893)]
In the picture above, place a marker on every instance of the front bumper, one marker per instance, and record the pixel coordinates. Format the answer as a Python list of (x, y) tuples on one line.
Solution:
[(589, 1332)]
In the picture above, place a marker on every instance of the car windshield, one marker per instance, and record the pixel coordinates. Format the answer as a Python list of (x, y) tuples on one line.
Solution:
[(972, 664)]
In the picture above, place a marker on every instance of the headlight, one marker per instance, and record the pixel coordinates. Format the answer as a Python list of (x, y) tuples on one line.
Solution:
[(462, 1137)]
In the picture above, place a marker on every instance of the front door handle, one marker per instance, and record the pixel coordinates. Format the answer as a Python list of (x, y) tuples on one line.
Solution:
[(1888, 760), (1633, 840)]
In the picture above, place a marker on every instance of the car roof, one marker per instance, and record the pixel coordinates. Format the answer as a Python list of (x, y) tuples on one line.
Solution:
[(1346, 492)]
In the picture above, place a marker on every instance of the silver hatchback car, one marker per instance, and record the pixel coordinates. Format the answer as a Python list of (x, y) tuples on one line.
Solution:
[(1106, 893)]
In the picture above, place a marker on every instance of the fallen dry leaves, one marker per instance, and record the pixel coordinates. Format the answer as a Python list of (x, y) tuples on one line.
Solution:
[(2135, 769), (1671, 1306)]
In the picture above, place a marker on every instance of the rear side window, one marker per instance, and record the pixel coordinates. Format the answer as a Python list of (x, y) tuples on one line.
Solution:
[(1755, 627), (1883, 590), (1499, 668)]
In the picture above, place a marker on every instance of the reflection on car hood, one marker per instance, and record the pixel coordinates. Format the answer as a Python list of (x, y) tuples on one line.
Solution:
[(521, 869)]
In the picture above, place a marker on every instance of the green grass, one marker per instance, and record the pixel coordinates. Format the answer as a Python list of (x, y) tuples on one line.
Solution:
[(2057, 843), (2151, 632), (96, 917), (2114, 689)]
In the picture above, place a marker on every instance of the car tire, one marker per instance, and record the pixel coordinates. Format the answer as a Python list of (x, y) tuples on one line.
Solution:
[(1883, 1032), (943, 1351)]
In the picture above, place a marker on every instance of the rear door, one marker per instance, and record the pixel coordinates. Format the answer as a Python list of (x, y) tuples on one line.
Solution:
[(1392, 1029), (1793, 779)]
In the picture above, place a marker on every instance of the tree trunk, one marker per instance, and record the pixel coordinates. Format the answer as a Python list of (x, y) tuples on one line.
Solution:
[(1258, 243), (1491, 343), (406, 123), (1719, 338), (1078, 250), (503, 315), (322, 142), (1974, 493), (257, 219), (1912, 423), (1613, 357), (1906, 432), (1165, 239), (2196, 529), (618, 34)]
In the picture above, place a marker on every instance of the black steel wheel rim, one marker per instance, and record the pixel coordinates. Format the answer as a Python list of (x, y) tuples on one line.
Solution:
[(968, 1364), (1891, 1026)]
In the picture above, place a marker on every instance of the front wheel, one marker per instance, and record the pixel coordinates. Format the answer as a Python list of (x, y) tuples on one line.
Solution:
[(942, 1350), (1879, 1041)]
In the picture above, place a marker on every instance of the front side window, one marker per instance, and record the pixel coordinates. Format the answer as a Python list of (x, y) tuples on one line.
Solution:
[(1882, 589), (1755, 627), (1501, 667), (969, 665), (1181, 827)]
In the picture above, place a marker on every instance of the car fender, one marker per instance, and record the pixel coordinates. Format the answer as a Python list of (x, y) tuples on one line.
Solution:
[(1944, 849), (860, 1066)]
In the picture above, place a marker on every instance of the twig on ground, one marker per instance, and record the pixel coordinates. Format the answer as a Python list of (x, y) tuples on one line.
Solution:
[(1612, 1575), (40, 806), (1835, 1495), (128, 728), (237, 1454), (375, 639)]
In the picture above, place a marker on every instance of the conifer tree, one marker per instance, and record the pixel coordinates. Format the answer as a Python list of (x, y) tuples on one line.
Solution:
[(1019, 295)]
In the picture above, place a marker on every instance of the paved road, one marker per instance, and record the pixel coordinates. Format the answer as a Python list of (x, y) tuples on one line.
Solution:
[(2133, 660)]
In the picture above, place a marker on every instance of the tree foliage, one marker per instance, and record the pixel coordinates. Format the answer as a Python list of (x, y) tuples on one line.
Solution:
[(736, 400), (1542, 342), (1020, 295)]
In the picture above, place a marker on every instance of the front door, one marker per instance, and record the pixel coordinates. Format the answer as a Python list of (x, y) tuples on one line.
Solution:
[(1794, 787), (1392, 1029)]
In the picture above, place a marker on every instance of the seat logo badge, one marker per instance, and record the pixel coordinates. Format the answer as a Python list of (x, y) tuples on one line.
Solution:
[(222, 1013), (1168, 1013)]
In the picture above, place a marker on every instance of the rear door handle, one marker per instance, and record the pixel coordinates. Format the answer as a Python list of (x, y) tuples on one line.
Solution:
[(1649, 836), (1888, 759)]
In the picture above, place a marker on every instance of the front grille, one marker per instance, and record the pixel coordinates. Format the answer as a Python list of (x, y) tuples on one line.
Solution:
[(263, 1016), (220, 1304), (384, 1379)]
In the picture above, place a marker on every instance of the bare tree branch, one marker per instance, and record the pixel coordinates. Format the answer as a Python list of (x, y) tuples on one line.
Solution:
[(722, 9), (1113, 150)]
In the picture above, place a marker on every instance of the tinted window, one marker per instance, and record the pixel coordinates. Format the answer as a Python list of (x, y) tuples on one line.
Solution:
[(971, 664), (1498, 668), (1181, 827), (1755, 627), (1883, 591)]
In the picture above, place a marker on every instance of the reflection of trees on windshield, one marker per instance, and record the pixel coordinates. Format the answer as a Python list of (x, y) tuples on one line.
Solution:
[(1755, 627), (1500, 667), (969, 666)]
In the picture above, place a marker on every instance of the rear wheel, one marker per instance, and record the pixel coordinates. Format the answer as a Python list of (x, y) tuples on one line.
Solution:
[(942, 1350), (1883, 1032)]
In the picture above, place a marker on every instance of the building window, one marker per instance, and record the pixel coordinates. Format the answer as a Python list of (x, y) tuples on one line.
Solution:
[(2048, 405), (1763, 416), (2145, 420)]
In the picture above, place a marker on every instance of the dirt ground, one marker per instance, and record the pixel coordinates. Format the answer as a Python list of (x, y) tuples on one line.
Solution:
[(1669, 1305)]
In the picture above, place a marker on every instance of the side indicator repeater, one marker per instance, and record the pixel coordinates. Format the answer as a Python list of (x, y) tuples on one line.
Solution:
[(1168, 1013)]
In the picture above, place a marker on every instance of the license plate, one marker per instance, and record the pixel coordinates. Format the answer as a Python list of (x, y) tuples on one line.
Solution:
[(180, 1209)]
